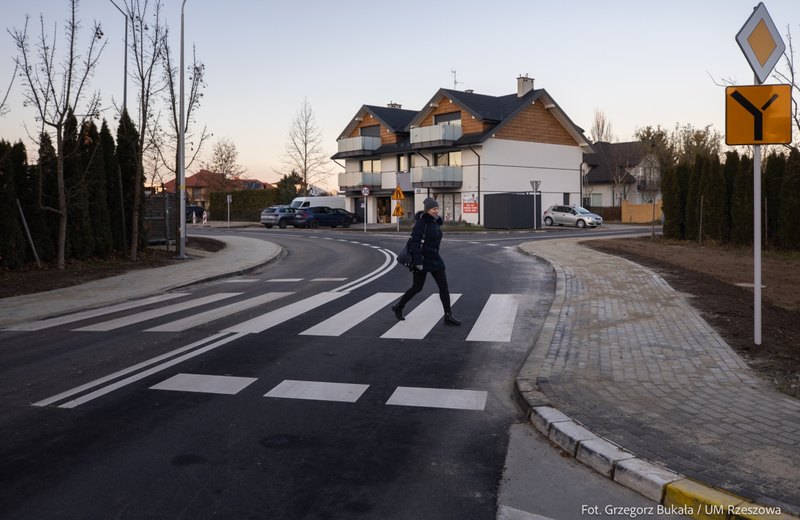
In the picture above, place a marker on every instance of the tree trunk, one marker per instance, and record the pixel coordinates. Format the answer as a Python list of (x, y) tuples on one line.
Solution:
[(137, 195)]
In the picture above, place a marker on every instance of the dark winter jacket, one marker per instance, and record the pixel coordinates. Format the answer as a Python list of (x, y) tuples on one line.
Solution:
[(426, 253)]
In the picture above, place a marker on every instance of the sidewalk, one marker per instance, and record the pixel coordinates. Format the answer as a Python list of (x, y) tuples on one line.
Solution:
[(239, 256), (625, 356)]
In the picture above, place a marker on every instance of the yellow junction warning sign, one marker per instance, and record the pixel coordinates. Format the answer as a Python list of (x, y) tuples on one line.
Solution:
[(758, 114), (398, 211), (398, 194)]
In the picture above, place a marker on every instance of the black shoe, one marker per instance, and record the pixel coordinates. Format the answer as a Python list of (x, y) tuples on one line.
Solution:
[(398, 312), (450, 320)]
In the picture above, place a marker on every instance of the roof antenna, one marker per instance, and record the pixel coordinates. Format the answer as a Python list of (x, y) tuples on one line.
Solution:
[(455, 83)]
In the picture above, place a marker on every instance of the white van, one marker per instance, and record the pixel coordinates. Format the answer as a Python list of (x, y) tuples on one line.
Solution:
[(306, 202)]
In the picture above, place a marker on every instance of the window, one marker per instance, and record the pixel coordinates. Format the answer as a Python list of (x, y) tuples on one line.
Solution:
[(447, 159), (371, 166), (451, 118), (401, 163), (597, 200), (566, 199), (370, 131), (412, 160)]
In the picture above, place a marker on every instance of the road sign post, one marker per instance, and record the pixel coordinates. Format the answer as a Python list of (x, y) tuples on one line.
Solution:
[(365, 193), (398, 209), (762, 45)]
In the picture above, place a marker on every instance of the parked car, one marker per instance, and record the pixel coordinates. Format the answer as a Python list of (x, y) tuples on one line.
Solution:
[(353, 217), (571, 216), (281, 216), (197, 210), (320, 216)]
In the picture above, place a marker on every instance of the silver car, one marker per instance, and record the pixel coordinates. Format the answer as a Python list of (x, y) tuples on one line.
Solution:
[(277, 215), (571, 216)]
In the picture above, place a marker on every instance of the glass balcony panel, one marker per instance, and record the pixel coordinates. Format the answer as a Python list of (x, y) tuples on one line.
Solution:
[(359, 143), (426, 134), (437, 175)]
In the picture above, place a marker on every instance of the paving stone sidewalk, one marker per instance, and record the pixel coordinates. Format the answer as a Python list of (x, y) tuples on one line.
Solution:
[(240, 255), (628, 357)]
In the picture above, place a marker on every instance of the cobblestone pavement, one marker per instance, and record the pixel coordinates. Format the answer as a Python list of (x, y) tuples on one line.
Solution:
[(627, 356)]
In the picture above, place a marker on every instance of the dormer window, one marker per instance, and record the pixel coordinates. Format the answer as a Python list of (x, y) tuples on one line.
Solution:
[(451, 118)]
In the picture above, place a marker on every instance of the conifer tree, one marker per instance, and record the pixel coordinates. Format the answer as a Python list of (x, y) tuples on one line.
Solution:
[(46, 195), (671, 205), (788, 229), (729, 172), (127, 158), (693, 199), (12, 239), (742, 204), (80, 240), (715, 219), (113, 200), (90, 147), (773, 183)]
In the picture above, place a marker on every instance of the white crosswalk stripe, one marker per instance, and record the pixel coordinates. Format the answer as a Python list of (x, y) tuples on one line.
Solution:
[(215, 314), (352, 316), (155, 313), (496, 321), (276, 317), (317, 391), (421, 320)]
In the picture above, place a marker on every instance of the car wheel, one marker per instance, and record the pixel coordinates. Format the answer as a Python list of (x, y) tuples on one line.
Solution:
[(346, 223), (282, 223), (581, 224), (314, 224), (548, 221), (268, 226)]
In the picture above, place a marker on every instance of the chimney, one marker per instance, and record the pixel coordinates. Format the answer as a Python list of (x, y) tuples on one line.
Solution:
[(469, 91), (524, 85), (392, 104)]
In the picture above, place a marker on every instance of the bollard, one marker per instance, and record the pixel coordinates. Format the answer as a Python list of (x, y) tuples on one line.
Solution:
[(205, 218)]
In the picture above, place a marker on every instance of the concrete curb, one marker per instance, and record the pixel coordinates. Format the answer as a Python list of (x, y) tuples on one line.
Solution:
[(677, 493)]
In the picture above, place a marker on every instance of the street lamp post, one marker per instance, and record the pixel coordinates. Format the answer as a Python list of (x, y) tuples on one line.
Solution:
[(181, 191), (124, 108)]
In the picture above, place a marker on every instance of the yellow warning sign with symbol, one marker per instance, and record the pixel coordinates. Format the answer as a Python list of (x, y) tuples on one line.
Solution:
[(758, 114), (398, 211), (398, 194)]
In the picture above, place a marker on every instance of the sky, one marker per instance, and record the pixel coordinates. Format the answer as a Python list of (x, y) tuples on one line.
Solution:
[(641, 63)]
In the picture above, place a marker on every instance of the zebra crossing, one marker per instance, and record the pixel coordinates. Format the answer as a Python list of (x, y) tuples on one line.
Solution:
[(494, 324)]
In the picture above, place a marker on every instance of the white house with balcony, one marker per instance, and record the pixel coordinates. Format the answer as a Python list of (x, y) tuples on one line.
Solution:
[(460, 148)]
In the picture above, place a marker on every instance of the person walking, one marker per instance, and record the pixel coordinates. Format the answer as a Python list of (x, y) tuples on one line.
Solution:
[(424, 249)]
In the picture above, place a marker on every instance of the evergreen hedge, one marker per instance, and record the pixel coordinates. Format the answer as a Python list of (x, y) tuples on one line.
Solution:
[(246, 205)]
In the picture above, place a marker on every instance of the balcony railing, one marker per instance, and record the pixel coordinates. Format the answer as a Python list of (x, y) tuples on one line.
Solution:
[(436, 176), (359, 179), (362, 143), (436, 134)]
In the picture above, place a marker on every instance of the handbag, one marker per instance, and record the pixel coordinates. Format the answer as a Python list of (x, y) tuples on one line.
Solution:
[(404, 257)]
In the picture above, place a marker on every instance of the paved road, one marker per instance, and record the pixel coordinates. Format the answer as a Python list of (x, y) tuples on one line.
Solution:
[(286, 393)]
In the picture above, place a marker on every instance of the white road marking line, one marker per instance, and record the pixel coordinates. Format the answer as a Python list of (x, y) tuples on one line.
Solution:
[(438, 398), (352, 316), (206, 384), (496, 322), (61, 320), (315, 391), (285, 280), (141, 375), (134, 368), (329, 279), (155, 313), (387, 266), (276, 317), (473, 242), (215, 314), (421, 320), (248, 280)]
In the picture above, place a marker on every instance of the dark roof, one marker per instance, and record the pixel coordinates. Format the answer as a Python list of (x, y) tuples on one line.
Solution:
[(610, 157), (489, 109), (395, 119)]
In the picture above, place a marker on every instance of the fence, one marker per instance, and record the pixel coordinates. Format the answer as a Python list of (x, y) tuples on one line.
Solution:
[(609, 213), (161, 214), (639, 213)]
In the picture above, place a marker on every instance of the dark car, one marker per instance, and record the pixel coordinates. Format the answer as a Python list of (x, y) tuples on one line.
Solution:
[(320, 216), (353, 217), (281, 216), (194, 210)]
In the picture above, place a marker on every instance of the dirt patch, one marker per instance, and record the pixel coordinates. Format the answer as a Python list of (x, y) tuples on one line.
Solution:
[(710, 274), (31, 279)]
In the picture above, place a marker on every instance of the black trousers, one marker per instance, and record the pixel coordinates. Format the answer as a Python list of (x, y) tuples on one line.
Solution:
[(419, 282)]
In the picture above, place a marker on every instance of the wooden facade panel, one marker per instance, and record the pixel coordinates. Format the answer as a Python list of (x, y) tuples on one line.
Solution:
[(387, 137), (535, 124)]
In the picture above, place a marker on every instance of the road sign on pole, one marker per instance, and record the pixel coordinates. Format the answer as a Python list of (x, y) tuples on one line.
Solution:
[(365, 191), (398, 194), (759, 114), (761, 42)]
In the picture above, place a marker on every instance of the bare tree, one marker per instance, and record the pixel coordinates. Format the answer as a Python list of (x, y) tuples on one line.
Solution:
[(147, 46), (601, 128), (790, 77), (3, 106), (223, 165), (304, 153), (165, 139), (55, 89)]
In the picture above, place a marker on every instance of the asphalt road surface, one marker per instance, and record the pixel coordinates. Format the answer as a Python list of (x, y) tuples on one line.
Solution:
[(289, 393)]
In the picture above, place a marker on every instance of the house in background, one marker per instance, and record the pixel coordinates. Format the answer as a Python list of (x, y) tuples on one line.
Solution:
[(200, 186), (620, 171), (460, 148)]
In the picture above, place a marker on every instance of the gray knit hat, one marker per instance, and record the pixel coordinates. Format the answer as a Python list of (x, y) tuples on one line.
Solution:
[(429, 204)]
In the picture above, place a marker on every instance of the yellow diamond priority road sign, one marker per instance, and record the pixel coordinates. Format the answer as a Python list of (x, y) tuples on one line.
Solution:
[(761, 42), (758, 114)]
